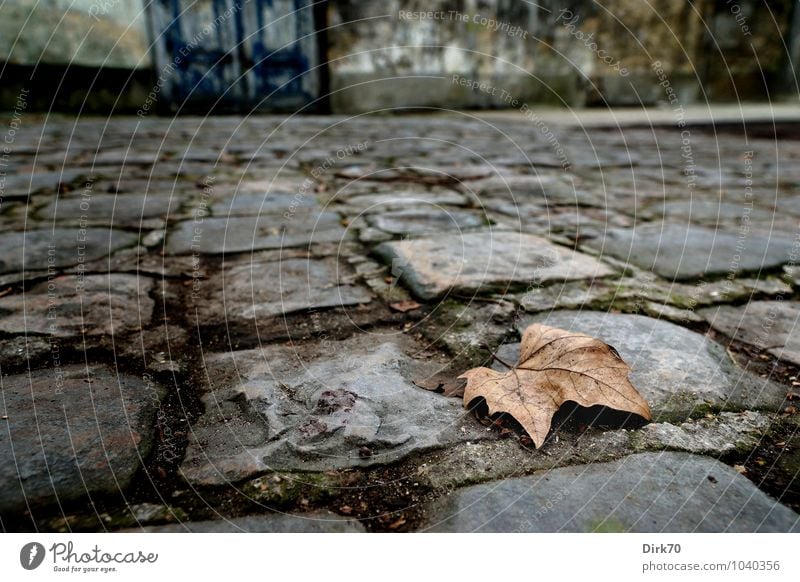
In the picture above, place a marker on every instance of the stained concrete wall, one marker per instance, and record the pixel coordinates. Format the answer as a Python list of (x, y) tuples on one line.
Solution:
[(95, 33), (74, 55), (558, 51), (384, 54)]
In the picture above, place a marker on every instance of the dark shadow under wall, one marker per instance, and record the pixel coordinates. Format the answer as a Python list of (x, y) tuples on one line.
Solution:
[(74, 88)]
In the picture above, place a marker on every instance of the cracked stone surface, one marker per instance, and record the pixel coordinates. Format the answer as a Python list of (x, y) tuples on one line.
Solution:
[(350, 404), (647, 493), (767, 325), (484, 261), (678, 371), (85, 432)]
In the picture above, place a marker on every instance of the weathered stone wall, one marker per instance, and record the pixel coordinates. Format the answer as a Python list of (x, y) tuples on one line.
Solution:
[(575, 52), (94, 33), (405, 53), (74, 55)]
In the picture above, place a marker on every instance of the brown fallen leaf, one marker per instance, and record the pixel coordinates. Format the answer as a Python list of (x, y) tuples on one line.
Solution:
[(398, 523), (443, 382), (405, 306), (555, 366)]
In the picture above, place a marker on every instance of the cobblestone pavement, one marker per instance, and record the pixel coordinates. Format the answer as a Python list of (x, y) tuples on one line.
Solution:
[(251, 324)]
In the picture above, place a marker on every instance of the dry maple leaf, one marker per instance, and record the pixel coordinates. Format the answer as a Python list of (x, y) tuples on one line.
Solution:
[(555, 366), (444, 382)]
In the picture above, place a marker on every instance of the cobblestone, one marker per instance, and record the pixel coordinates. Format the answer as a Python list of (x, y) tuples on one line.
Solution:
[(251, 309)]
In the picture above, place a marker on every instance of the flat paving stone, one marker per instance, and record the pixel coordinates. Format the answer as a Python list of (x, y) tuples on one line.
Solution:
[(317, 522), (425, 221), (71, 433), (679, 372), (645, 493), (725, 433), (767, 325), (488, 460), (257, 288), (520, 190), (398, 200), (484, 261), (74, 306), (334, 405), (23, 184), (215, 236), (681, 251), (59, 247), (710, 212), (107, 210), (256, 204)]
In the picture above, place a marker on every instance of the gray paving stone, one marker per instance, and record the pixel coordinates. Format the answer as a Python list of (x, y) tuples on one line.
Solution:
[(488, 460), (68, 435), (400, 199), (59, 247), (222, 235), (323, 406), (257, 287), (484, 261), (23, 184), (679, 372), (770, 325), (107, 210), (74, 306), (318, 522), (680, 251), (709, 212), (425, 221), (256, 204), (542, 189), (727, 432), (647, 493), (19, 352)]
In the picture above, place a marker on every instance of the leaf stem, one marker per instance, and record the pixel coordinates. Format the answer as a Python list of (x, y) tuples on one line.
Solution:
[(498, 358)]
